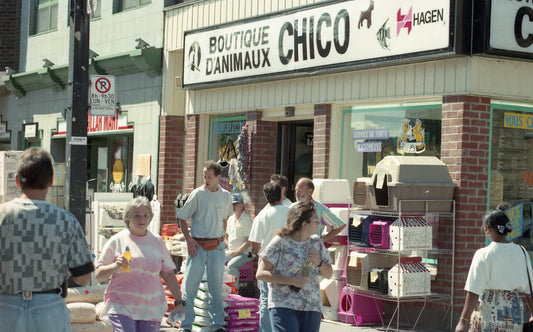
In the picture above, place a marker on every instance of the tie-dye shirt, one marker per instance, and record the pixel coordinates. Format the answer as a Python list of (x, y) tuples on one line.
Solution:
[(139, 293)]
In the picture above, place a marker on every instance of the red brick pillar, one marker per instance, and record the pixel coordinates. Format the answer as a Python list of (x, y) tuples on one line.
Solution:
[(262, 138), (465, 150), (321, 135), (171, 152), (192, 140)]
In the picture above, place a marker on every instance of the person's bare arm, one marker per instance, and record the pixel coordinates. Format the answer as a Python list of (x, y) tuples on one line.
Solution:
[(470, 303), (265, 273), (191, 243)]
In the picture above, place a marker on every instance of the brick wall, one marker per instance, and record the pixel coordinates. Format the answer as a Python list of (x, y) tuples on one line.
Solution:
[(192, 140), (262, 138), (465, 150), (10, 13), (321, 135), (171, 159)]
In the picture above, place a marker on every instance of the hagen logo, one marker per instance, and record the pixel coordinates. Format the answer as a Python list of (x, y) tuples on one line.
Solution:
[(409, 20)]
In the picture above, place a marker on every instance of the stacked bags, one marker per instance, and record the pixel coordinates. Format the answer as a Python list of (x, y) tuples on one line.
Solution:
[(243, 313), (85, 305)]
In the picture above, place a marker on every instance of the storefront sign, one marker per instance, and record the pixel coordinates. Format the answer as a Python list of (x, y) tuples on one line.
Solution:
[(511, 25), (231, 127), (322, 37), (518, 121), (412, 139), (370, 134), (99, 124), (368, 146)]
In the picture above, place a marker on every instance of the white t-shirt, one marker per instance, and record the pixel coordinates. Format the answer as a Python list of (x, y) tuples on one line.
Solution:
[(270, 219), (500, 266), (287, 202), (238, 231), (207, 210)]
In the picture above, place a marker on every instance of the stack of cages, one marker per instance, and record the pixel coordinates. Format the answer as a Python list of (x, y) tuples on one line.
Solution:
[(397, 216)]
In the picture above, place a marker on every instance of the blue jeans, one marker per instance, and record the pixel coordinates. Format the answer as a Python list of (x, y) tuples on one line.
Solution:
[(43, 312), (264, 316), (211, 262), (290, 320), (236, 263)]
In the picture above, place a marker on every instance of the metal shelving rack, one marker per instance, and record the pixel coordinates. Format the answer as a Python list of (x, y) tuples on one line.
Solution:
[(424, 299)]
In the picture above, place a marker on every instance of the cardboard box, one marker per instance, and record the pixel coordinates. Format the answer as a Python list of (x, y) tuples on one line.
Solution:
[(8, 169), (409, 278), (410, 233)]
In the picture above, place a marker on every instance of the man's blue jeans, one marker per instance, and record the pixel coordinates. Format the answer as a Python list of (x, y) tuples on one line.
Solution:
[(211, 262), (236, 263), (264, 316), (43, 312)]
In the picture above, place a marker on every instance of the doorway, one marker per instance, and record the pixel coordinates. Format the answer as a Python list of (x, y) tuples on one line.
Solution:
[(295, 155)]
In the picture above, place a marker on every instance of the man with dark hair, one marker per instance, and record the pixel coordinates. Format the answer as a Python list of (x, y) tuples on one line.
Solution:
[(208, 207), (271, 218), (284, 184), (304, 193), (40, 245)]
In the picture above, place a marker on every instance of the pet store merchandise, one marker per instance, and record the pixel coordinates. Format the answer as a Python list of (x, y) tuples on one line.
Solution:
[(395, 242)]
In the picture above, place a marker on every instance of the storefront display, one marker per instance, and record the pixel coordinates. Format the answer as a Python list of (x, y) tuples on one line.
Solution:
[(369, 134)]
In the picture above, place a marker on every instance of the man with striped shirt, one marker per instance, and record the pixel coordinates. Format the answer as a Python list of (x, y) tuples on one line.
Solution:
[(304, 193)]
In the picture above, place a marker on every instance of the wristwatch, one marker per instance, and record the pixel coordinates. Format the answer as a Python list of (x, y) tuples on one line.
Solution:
[(178, 302)]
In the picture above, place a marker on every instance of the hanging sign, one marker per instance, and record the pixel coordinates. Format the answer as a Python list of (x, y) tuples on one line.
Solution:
[(102, 95)]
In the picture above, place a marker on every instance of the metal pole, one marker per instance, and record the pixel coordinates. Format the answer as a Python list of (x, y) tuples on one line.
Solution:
[(76, 144)]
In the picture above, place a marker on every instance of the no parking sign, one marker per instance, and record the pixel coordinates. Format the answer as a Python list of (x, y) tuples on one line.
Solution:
[(102, 97)]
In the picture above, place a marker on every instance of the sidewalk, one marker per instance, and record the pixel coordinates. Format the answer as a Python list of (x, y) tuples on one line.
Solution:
[(331, 326)]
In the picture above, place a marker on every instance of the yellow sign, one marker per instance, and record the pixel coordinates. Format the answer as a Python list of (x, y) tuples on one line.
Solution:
[(118, 171), (244, 313), (518, 121)]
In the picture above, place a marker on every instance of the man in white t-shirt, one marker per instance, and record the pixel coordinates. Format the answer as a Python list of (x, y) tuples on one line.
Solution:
[(208, 208), (271, 218), (284, 184)]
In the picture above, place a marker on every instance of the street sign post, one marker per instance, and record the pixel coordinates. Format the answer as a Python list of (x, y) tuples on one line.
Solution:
[(102, 97)]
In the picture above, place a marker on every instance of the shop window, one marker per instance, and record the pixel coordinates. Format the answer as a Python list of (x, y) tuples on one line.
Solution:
[(121, 5), (369, 134), (118, 173), (44, 16), (511, 168), (223, 135)]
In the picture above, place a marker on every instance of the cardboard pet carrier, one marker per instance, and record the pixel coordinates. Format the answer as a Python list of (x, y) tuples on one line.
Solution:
[(404, 178), (409, 278), (411, 233)]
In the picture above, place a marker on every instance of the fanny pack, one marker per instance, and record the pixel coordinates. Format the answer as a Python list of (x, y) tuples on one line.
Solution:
[(208, 244)]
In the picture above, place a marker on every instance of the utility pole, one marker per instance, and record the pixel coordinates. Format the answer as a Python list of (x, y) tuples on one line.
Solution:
[(76, 144)]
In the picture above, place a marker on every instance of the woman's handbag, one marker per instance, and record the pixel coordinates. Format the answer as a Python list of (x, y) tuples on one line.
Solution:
[(528, 327)]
